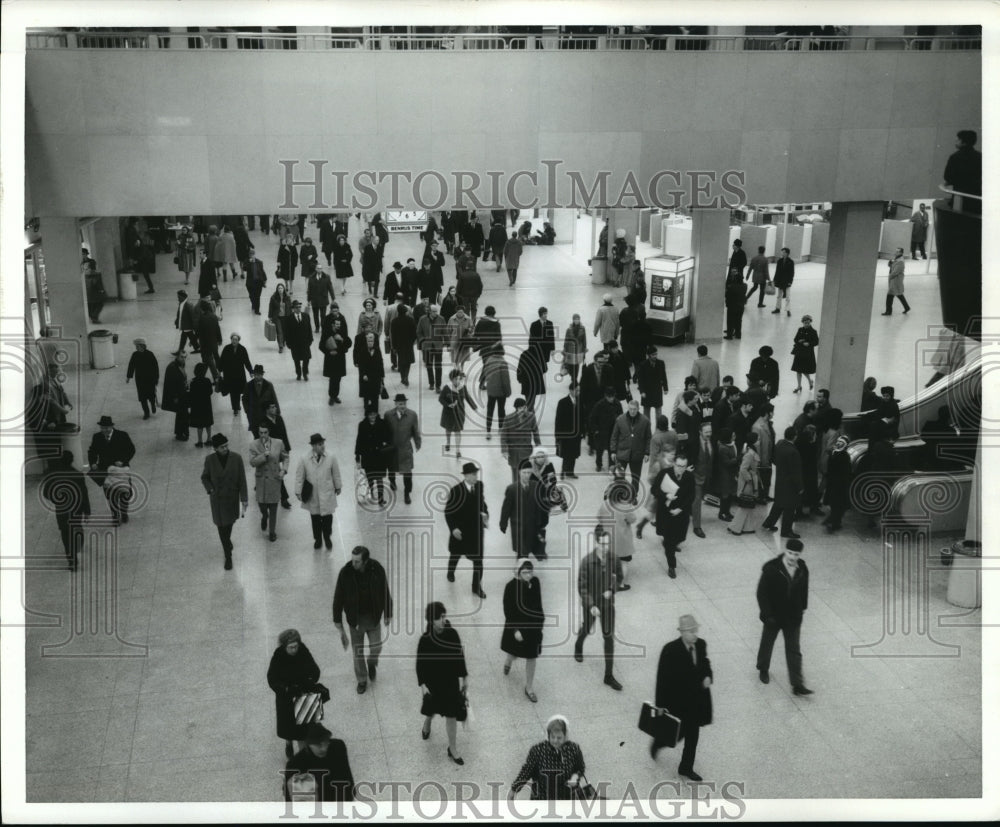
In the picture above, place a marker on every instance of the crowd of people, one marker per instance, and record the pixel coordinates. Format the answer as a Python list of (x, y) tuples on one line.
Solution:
[(716, 445)]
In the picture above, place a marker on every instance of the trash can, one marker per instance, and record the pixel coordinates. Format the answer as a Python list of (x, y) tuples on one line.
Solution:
[(102, 349), (599, 270), (126, 287), (964, 584)]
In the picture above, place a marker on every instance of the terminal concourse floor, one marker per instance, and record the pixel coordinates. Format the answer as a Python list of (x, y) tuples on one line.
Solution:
[(191, 718)]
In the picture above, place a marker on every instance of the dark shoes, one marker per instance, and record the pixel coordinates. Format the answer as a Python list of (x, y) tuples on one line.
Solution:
[(802, 690), (425, 732), (317, 543), (609, 680), (371, 671), (329, 543), (578, 656), (272, 536), (726, 517), (479, 593), (451, 578), (228, 565), (699, 533), (653, 750), (791, 535), (764, 677), (286, 504), (690, 774), (362, 687), (406, 498), (459, 761), (672, 574)]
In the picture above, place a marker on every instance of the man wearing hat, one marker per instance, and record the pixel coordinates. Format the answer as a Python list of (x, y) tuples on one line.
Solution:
[(393, 282), (184, 321), (683, 681), (405, 430), (144, 367), (391, 312), (651, 377), (111, 449), (256, 279), (325, 759), (409, 282), (467, 516), (225, 480), (782, 595), (258, 394), (522, 507), (299, 338), (322, 473)]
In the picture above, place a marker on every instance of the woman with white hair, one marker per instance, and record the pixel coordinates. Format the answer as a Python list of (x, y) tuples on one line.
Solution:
[(606, 323), (553, 766)]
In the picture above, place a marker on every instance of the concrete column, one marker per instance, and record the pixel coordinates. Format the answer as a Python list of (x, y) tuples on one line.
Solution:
[(67, 296), (710, 248), (108, 252), (848, 289)]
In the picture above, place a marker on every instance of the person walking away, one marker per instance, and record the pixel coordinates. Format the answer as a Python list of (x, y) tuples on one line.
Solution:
[(512, 254), (918, 235), (65, 488), (759, 275)]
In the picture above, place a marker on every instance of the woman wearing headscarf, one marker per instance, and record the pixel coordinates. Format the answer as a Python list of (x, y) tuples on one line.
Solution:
[(369, 318), (838, 484), (342, 257), (442, 676), (292, 672), (523, 622), (453, 399), (371, 368), (234, 362), (200, 396), (370, 448), (553, 766), (747, 487)]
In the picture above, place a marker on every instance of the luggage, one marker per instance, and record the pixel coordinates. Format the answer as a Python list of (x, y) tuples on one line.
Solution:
[(658, 722), (270, 331)]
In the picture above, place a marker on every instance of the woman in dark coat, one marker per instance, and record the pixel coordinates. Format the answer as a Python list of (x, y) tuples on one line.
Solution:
[(805, 442), (403, 334), (308, 256), (371, 449), (343, 255), (371, 268), (728, 459), (765, 368), (673, 510), (442, 676), (187, 255), (531, 375), (371, 369), (449, 303), (804, 351), (279, 308), (234, 362), (327, 238), (736, 299), (838, 484), (207, 277), (453, 399), (175, 395), (288, 260), (292, 672), (334, 343), (200, 395), (523, 622)]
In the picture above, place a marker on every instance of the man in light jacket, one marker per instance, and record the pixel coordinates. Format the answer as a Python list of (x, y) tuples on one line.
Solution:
[(320, 497), (630, 443)]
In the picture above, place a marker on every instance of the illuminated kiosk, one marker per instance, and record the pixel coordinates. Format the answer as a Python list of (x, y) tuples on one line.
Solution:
[(669, 308)]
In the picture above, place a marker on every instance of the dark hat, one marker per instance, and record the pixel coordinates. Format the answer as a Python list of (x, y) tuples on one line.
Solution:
[(411, 259), (258, 368), (371, 407), (470, 468), (397, 265), (182, 294), (794, 545), (524, 463), (400, 397), (105, 422), (315, 439), (219, 439), (316, 733), (296, 303)]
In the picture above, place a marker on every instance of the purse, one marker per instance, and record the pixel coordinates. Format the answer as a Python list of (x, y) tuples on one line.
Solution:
[(383, 394), (770, 289), (658, 722), (270, 331), (307, 491)]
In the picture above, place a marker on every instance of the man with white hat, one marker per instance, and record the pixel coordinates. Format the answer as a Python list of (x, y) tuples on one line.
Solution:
[(683, 681)]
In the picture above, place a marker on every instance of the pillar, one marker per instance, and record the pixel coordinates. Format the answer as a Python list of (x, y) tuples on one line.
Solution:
[(710, 248), (108, 254), (848, 289), (67, 296)]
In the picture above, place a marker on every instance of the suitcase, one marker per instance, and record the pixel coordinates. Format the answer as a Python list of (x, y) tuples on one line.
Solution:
[(270, 331), (659, 723)]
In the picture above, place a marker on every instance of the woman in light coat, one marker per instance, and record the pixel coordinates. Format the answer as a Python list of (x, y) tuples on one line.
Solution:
[(606, 323), (747, 485), (322, 473), (616, 516), (497, 377), (225, 252), (459, 330), (574, 347)]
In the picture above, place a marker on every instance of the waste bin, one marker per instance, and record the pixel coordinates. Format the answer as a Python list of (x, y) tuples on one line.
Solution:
[(102, 349), (964, 584), (599, 270), (126, 287)]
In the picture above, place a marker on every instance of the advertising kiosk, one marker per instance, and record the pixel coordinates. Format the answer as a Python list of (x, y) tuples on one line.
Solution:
[(669, 304)]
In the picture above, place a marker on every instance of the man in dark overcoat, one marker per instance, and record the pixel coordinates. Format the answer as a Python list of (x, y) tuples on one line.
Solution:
[(143, 367), (522, 510), (405, 429), (111, 448), (258, 394), (683, 681), (225, 480), (570, 428), (466, 515), (788, 485), (299, 338)]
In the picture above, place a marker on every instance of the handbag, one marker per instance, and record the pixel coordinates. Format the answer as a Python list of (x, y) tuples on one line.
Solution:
[(746, 501), (307, 491), (308, 708), (658, 722), (270, 331), (383, 394), (770, 289)]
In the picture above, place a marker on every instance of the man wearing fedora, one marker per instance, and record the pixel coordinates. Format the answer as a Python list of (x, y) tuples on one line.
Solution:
[(143, 367), (258, 394), (299, 338), (405, 430), (467, 516), (225, 480), (782, 595), (319, 498), (683, 681), (109, 455), (325, 759)]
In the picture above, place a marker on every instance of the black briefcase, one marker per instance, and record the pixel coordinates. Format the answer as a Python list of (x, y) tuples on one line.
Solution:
[(659, 723)]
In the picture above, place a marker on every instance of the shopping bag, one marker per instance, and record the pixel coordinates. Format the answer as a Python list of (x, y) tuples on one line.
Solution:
[(770, 289), (270, 331), (658, 722), (308, 708), (361, 485)]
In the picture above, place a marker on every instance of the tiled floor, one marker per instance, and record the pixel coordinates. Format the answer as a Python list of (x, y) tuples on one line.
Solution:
[(193, 720)]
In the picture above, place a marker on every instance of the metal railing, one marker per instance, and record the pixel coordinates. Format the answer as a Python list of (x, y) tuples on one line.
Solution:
[(957, 198), (305, 41)]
